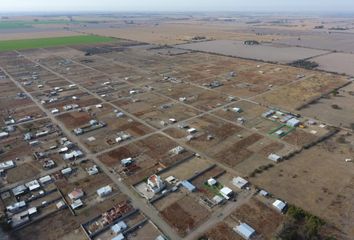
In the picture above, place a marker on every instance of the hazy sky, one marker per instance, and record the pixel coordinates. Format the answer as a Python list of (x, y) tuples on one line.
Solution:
[(176, 5)]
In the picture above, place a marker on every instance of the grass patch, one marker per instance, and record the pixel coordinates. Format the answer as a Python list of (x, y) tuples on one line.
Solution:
[(213, 189), (9, 45)]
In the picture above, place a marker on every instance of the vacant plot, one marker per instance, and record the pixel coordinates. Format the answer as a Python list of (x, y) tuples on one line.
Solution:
[(258, 52), (221, 231), (300, 93), (309, 181), (262, 218), (8, 45), (185, 215)]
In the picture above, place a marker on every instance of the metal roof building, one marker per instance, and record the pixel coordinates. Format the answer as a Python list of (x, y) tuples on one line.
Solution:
[(245, 231), (190, 187)]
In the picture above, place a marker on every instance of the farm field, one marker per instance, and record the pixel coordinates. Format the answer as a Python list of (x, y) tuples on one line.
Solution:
[(8, 45), (271, 53), (336, 62), (336, 109)]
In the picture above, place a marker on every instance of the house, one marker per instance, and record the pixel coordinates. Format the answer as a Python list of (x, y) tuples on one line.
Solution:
[(119, 227), (45, 179), (280, 133), (263, 193), (237, 109), (191, 130), (239, 182), (78, 131), (279, 205), (104, 191), (217, 199), (7, 165), (76, 194), (268, 113), (126, 161), (42, 133), (73, 155), (177, 150), (76, 204), (119, 237), (171, 179), (212, 182), (54, 111), (226, 192), (19, 190), (60, 204), (189, 186), (33, 185), (245, 231), (274, 157), (4, 135), (16, 207), (66, 171), (155, 184), (294, 122), (92, 170)]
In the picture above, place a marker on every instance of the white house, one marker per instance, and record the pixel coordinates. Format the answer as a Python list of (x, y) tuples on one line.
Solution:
[(155, 183), (226, 192), (279, 205), (239, 182), (104, 191)]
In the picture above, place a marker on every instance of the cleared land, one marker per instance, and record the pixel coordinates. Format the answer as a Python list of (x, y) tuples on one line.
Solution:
[(336, 109), (8, 45), (270, 53), (336, 62)]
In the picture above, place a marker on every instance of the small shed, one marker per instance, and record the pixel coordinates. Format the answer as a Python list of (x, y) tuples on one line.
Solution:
[(76, 204), (274, 157), (212, 182), (119, 237), (119, 227), (190, 187)]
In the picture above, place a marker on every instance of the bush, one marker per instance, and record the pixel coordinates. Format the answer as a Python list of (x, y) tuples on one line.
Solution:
[(304, 64), (335, 106)]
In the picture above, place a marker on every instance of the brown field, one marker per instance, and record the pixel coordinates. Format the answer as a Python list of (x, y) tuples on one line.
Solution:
[(222, 231), (296, 94), (336, 62), (150, 154), (36, 33), (262, 218), (323, 108), (185, 215)]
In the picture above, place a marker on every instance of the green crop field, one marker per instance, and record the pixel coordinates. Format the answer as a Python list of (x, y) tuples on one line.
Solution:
[(9, 45), (29, 24), (14, 24)]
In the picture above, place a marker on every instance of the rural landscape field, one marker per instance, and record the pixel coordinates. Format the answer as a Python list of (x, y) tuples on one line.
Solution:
[(167, 125)]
